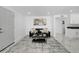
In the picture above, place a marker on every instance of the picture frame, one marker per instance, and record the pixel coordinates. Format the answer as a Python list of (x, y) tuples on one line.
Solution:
[(40, 21)]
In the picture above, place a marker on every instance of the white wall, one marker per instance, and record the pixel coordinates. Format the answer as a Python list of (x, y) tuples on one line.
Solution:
[(19, 27), (29, 23), (7, 25), (74, 18)]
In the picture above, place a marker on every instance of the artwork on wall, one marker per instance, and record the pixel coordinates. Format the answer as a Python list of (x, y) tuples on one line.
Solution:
[(40, 21)]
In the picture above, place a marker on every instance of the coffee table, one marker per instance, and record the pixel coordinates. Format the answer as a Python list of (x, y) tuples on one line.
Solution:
[(39, 39)]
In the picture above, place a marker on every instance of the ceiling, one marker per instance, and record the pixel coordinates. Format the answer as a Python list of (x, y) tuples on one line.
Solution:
[(45, 10)]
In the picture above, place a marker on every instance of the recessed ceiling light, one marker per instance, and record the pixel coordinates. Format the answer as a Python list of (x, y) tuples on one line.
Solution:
[(29, 13), (48, 13), (70, 10)]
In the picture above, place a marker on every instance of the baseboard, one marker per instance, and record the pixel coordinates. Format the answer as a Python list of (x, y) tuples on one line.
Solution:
[(6, 48), (19, 39), (10, 45)]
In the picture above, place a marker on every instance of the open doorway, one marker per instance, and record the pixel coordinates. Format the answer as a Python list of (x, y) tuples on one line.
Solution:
[(59, 24)]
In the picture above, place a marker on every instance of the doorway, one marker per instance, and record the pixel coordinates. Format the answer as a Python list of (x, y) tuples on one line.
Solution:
[(59, 24)]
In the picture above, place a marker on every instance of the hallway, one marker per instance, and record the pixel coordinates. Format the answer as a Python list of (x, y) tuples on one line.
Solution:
[(26, 46), (60, 22)]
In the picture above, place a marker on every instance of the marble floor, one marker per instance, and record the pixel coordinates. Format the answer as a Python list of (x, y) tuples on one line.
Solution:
[(27, 46), (70, 43)]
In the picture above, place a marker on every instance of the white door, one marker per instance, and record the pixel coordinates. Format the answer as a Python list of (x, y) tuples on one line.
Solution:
[(6, 28)]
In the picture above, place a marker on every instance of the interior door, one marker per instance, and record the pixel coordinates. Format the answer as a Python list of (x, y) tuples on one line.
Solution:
[(6, 28)]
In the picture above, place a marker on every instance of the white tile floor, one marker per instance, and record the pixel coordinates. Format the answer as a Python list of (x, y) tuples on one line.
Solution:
[(26, 46), (70, 43)]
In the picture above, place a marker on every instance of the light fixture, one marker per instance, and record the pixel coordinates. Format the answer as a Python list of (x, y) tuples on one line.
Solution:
[(48, 13), (28, 12), (70, 10)]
